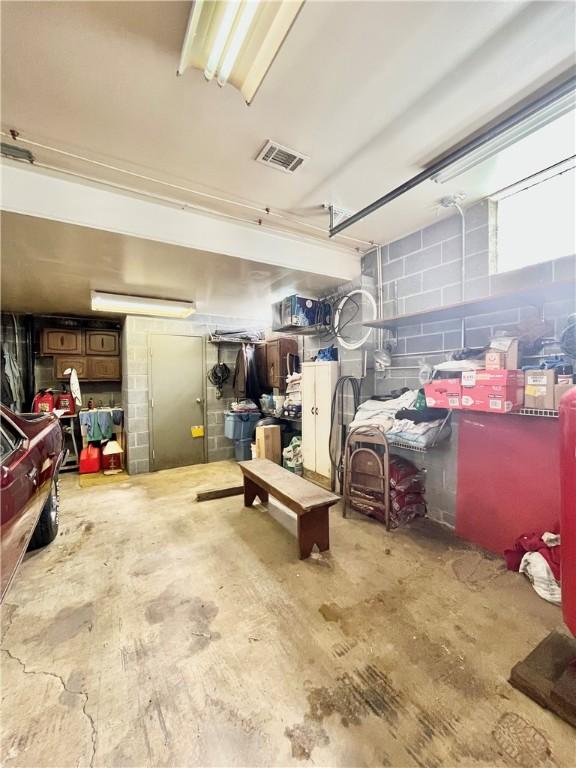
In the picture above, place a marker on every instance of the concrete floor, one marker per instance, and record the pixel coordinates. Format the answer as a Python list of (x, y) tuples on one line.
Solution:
[(156, 631)]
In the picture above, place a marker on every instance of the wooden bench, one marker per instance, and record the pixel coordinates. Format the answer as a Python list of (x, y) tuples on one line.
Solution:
[(310, 503)]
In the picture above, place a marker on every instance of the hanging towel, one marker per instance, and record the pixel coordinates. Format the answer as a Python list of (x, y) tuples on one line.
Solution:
[(74, 385), (104, 419)]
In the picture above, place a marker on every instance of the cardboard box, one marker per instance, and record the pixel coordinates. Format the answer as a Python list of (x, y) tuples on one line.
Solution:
[(539, 389), (269, 443), (509, 348), (444, 393), (495, 361), (559, 392), (498, 391)]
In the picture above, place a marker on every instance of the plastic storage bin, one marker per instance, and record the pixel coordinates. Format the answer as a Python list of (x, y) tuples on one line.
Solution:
[(243, 450), (240, 426)]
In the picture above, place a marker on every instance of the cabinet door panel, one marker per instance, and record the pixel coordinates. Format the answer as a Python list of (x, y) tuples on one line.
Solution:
[(62, 362), (103, 368), (102, 343), (308, 418), (56, 341), (324, 391)]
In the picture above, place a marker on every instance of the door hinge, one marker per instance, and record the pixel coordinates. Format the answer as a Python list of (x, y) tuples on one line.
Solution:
[(151, 402), (153, 453)]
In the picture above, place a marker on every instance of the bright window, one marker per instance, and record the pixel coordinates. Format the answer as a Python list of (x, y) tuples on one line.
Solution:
[(537, 223)]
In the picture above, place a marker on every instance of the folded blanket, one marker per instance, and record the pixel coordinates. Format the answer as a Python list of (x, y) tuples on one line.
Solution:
[(378, 411)]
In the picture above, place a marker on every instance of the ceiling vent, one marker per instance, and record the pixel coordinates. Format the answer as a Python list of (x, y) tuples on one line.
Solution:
[(282, 158)]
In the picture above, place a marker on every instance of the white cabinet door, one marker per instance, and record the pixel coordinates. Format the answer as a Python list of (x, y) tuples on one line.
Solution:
[(309, 416), (325, 382)]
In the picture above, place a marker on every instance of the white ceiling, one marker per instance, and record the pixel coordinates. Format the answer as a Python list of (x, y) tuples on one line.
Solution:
[(51, 267), (371, 91)]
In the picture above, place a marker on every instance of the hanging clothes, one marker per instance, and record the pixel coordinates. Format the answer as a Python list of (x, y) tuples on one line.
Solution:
[(246, 383), (104, 419), (14, 378)]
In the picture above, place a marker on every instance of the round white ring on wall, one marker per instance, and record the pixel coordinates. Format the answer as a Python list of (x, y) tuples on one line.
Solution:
[(338, 312)]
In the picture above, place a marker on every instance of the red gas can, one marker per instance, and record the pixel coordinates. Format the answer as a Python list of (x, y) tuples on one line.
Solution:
[(65, 402), (89, 460), (568, 507), (43, 402)]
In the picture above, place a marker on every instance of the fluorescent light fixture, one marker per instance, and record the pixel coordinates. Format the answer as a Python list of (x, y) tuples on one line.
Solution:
[(249, 9), (236, 41), (506, 139), (140, 305), (222, 34)]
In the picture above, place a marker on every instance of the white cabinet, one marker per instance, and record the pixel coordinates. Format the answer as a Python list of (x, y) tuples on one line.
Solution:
[(318, 384)]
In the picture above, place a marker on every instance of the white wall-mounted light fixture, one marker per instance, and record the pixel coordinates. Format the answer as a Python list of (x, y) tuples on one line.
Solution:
[(236, 41), (140, 305), (543, 117)]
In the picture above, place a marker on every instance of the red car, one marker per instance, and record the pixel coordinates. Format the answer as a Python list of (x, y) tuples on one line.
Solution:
[(30, 458)]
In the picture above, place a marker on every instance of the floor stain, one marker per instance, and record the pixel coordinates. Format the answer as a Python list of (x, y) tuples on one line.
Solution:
[(67, 623), (330, 612), (476, 571), (191, 615), (305, 737), (232, 715), (365, 691)]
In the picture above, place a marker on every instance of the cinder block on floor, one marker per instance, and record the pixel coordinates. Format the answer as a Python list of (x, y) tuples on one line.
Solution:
[(548, 675)]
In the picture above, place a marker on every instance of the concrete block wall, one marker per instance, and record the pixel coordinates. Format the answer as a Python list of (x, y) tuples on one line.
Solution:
[(423, 271), (135, 396)]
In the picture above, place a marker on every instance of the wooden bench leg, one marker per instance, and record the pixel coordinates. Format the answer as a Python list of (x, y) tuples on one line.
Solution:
[(251, 490), (313, 529)]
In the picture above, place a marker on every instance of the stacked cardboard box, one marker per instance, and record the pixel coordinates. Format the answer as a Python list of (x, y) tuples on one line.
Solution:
[(269, 443), (496, 391), (539, 390), (502, 354), (444, 393)]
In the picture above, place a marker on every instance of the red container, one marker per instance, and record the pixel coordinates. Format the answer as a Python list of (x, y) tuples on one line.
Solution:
[(567, 411), (89, 460), (65, 402), (444, 393), (43, 402)]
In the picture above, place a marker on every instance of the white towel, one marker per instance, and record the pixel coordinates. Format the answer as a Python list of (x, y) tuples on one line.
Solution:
[(74, 385)]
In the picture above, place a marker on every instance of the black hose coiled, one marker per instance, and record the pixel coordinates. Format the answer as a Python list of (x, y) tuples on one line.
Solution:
[(218, 375)]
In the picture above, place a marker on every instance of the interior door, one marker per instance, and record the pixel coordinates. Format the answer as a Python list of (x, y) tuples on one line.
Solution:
[(309, 417), (323, 409), (177, 385)]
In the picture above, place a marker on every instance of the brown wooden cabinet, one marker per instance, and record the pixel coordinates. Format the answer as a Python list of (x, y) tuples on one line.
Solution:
[(102, 343), (62, 362), (103, 368), (276, 361), (62, 341)]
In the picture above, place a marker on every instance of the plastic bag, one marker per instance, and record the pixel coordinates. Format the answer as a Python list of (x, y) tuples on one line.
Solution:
[(404, 476)]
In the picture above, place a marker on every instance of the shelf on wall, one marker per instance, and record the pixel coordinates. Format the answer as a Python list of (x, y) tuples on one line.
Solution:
[(406, 446), (536, 295), (546, 412), (304, 330)]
